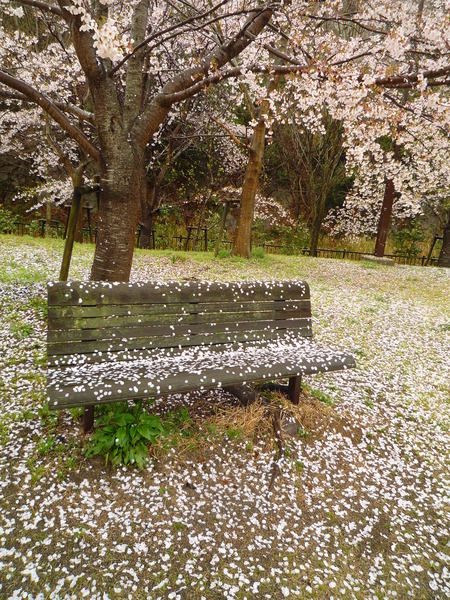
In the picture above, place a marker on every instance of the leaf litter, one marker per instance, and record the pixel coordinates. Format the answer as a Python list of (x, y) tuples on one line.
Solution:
[(359, 506)]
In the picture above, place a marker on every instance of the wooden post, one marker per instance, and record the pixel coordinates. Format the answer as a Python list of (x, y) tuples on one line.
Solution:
[(88, 418), (48, 218), (70, 236), (222, 227), (78, 192), (89, 224), (295, 388), (436, 237), (188, 238)]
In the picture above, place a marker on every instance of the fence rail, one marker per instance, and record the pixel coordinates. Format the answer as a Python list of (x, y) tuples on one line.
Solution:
[(202, 243)]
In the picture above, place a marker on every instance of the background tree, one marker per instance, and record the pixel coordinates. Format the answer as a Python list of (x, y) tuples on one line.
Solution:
[(314, 160)]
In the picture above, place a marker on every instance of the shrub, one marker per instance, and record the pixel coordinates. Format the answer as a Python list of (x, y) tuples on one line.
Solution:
[(7, 221), (406, 240), (294, 239)]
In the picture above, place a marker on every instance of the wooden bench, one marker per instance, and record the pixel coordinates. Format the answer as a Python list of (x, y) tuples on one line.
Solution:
[(109, 342)]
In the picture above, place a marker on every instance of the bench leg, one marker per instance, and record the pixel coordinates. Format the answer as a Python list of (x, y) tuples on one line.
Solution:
[(295, 388), (88, 418)]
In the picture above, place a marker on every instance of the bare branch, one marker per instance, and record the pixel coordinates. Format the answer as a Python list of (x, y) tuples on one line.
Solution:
[(230, 133), (408, 81), (56, 10), (162, 33)]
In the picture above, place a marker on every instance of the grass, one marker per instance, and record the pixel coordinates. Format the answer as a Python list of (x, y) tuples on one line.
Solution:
[(352, 506)]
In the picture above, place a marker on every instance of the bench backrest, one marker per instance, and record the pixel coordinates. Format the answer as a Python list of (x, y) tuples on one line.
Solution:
[(111, 321)]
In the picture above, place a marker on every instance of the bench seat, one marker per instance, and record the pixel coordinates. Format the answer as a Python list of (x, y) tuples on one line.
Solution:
[(193, 368), (109, 342)]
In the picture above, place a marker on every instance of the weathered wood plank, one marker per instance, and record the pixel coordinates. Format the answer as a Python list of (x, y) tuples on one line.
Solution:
[(63, 361), (169, 341), (102, 293), (60, 316), (120, 328), (148, 332)]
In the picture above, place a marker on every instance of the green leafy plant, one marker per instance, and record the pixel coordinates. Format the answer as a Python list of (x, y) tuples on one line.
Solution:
[(22, 330), (123, 435)]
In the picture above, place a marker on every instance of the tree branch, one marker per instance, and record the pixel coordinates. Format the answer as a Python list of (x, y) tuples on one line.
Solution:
[(233, 136), (161, 33), (76, 111), (402, 81), (169, 99), (175, 89), (57, 115), (56, 10)]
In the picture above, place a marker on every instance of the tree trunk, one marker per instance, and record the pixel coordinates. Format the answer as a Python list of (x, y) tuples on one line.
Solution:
[(121, 188), (79, 225), (148, 207), (242, 243), (444, 255), (318, 212), (48, 218), (385, 218)]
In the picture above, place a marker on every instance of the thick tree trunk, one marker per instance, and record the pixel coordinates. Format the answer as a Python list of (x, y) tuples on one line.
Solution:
[(242, 243), (444, 255), (120, 192), (385, 218), (386, 211)]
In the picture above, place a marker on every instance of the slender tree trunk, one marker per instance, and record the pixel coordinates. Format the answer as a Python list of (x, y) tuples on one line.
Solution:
[(48, 218), (79, 225), (242, 243), (444, 255), (385, 218), (318, 213), (149, 199)]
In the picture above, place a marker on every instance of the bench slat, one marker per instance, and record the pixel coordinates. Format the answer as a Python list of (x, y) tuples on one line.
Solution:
[(101, 293), (169, 341), (92, 329), (90, 316)]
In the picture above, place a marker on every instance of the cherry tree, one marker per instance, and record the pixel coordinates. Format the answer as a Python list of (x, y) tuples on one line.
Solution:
[(139, 59), (142, 58)]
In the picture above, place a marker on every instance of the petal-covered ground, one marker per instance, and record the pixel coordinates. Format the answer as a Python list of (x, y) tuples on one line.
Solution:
[(358, 505)]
